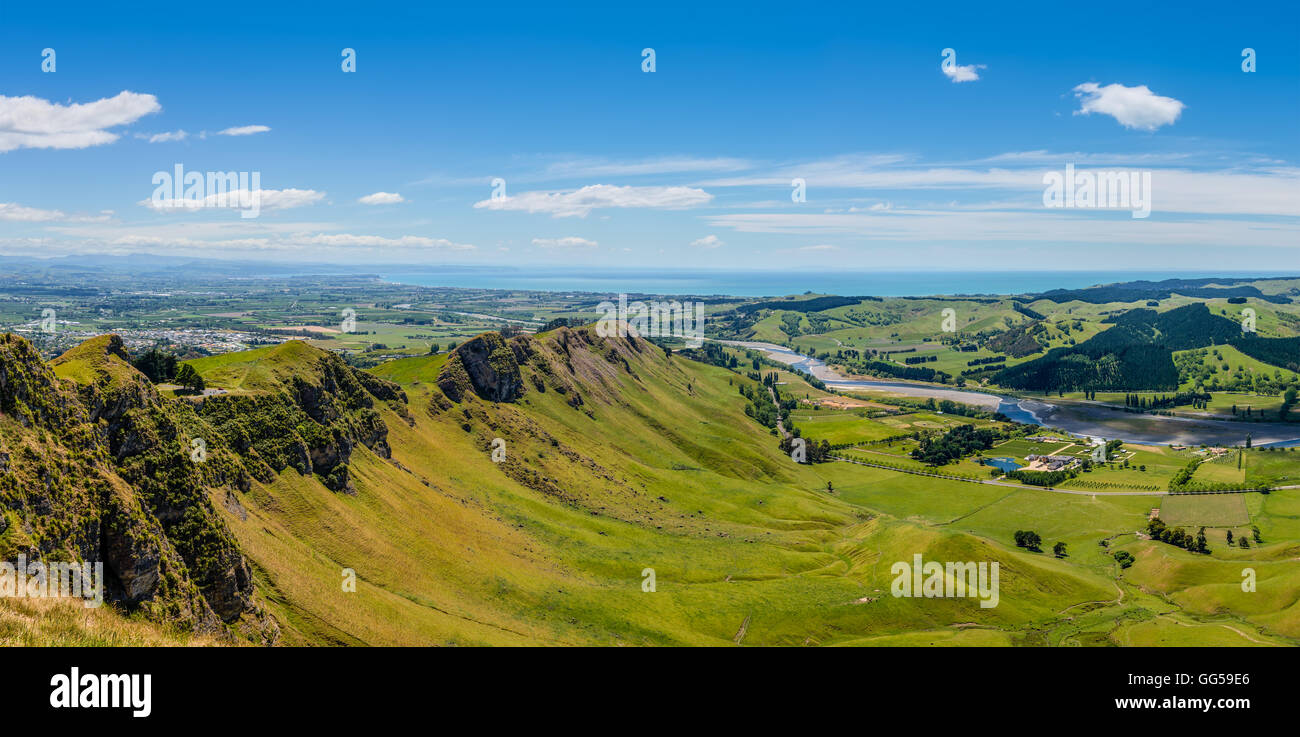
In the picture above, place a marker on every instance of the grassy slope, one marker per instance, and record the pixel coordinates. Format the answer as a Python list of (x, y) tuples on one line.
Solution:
[(672, 477), (663, 470)]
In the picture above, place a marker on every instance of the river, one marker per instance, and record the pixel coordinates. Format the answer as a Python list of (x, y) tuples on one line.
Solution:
[(1090, 420)]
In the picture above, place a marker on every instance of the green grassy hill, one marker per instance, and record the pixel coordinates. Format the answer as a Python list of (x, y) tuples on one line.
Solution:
[(621, 462)]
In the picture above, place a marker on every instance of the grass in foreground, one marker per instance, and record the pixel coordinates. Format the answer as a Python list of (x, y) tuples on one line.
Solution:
[(67, 623)]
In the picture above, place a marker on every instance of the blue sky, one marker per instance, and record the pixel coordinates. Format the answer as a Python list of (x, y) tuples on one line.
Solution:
[(906, 165)]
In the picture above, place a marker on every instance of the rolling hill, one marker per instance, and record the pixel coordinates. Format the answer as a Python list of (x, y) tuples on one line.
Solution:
[(558, 488), (1136, 352)]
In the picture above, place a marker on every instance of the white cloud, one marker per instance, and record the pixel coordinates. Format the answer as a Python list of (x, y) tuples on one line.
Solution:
[(661, 165), (820, 247), (179, 135), (243, 130), (126, 243), (854, 172), (1036, 227), (1134, 107), (1043, 156), (568, 242), (14, 212), (382, 198), (1268, 190), (265, 199), (30, 122), (708, 241), (244, 236), (406, 241), (962, 73), (581, 202)]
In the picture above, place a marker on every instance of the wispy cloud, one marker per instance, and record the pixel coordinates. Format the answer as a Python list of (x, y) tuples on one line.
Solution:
[(1261, 190), (406, 241), (587, 168), (708, 241), (14, 212), (263, 238), (581, 202), (243, 130), (179, 135), (382, 198), (566, 242), (1042, 227)]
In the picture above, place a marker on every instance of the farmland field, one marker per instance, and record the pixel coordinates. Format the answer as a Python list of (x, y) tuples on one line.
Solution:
[(1204, 510)]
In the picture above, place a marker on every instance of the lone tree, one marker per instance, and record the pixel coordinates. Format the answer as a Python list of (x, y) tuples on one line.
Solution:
[(1029, 539), (187, 377), (155, 364), (1059, 549)]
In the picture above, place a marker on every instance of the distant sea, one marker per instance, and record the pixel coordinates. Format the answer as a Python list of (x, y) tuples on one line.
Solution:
[(753, 283)]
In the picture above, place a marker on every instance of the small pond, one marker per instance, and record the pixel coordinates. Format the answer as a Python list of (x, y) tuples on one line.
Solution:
[(1006, 464)]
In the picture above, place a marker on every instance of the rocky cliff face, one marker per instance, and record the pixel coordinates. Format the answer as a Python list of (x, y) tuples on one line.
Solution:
[(67, 492), (98, 466), (312, 424), (486, 366), (568, 361)]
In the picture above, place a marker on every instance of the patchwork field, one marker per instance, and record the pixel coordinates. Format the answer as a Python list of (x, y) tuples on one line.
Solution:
[(1204, 510), (840, 427), (1273, 467)]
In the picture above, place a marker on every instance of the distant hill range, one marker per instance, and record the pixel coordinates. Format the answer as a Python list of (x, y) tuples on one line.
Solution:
[(1133, 291)]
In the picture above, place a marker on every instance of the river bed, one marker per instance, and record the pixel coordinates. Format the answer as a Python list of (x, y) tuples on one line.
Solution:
[(1080, 419)]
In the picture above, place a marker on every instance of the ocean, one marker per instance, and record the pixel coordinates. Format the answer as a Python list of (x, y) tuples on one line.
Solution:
[(755, 283)]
